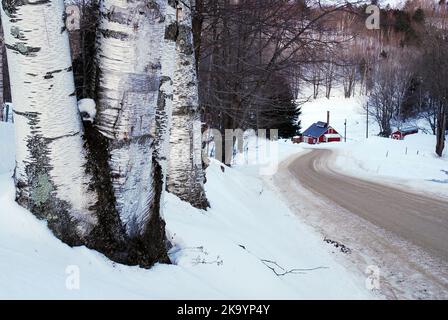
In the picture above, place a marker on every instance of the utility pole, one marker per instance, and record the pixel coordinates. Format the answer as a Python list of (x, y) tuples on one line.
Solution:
[(345, 130), (367, 121)]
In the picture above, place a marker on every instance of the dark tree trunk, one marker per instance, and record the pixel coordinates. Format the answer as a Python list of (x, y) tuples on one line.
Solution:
[(440, 131)]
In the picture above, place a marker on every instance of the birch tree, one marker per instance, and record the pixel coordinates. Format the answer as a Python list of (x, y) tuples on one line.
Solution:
[(50, 174), (165, 98), (185, 170), (388, 92), (102, 191), (128, 64)]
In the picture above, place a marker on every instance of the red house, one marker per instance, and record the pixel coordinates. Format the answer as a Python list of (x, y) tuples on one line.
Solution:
[(321, 132), (401, 133)]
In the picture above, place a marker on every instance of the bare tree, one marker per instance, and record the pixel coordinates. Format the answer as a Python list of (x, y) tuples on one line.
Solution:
[(246, 46), (428, 110), (434, 71), (316, 79), (390, 84), (329, 77)]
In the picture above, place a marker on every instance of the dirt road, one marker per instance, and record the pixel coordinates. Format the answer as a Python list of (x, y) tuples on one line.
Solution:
[(404, 234), (418, 219)]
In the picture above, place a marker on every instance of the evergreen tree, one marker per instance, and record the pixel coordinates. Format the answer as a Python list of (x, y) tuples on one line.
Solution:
[(419, 16), (281, 111)]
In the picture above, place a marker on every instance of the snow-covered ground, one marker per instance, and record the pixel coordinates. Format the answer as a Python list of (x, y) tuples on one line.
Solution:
[(237, 249), (231, 251), (411, 162)]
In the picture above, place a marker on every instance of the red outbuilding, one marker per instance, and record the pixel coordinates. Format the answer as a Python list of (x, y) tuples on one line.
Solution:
[(321, 132), (401, 133)]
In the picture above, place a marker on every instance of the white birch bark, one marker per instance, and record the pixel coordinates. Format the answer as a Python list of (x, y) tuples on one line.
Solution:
[(165, 99), (50, 162), (128, 61), (185, 174)]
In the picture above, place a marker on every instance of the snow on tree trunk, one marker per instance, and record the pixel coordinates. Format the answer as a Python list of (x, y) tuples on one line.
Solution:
[(185, 172), (50, 173), (128, 62)]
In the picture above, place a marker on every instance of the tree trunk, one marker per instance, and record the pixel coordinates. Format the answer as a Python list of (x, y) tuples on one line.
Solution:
[(197, 22), (2, 45), (185, 174), (128, 63), (165, 98), (440, 130), (50, 173), (5, 74)]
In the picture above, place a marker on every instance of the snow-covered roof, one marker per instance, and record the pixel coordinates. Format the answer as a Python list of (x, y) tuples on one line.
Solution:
[(316, 130), (407, 130)]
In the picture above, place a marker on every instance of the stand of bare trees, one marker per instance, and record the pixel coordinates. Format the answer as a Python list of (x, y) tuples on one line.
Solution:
[(400, 66), (433, 70), (391, 82), (247, 49)]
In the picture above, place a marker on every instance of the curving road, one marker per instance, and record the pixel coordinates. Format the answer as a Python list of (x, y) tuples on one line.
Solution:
[(420, 219)]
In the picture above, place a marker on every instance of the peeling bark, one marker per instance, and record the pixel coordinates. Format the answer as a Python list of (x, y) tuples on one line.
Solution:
[(50, 174), (165, 95), (127, 86), (185, 174), (105, 198)]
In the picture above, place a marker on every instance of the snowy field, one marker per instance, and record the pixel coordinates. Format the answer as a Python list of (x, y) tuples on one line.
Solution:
[(410, 163), (247, 246)]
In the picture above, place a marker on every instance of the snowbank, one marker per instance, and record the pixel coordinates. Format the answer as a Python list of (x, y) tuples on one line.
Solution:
[(7, 143), (410, 162), (227, 252)]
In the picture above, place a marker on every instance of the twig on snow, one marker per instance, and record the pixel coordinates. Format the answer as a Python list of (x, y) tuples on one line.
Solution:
[(272, 264)]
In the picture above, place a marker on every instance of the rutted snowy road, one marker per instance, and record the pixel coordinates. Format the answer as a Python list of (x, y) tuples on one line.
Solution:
[(404, 234), (416, 218)]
